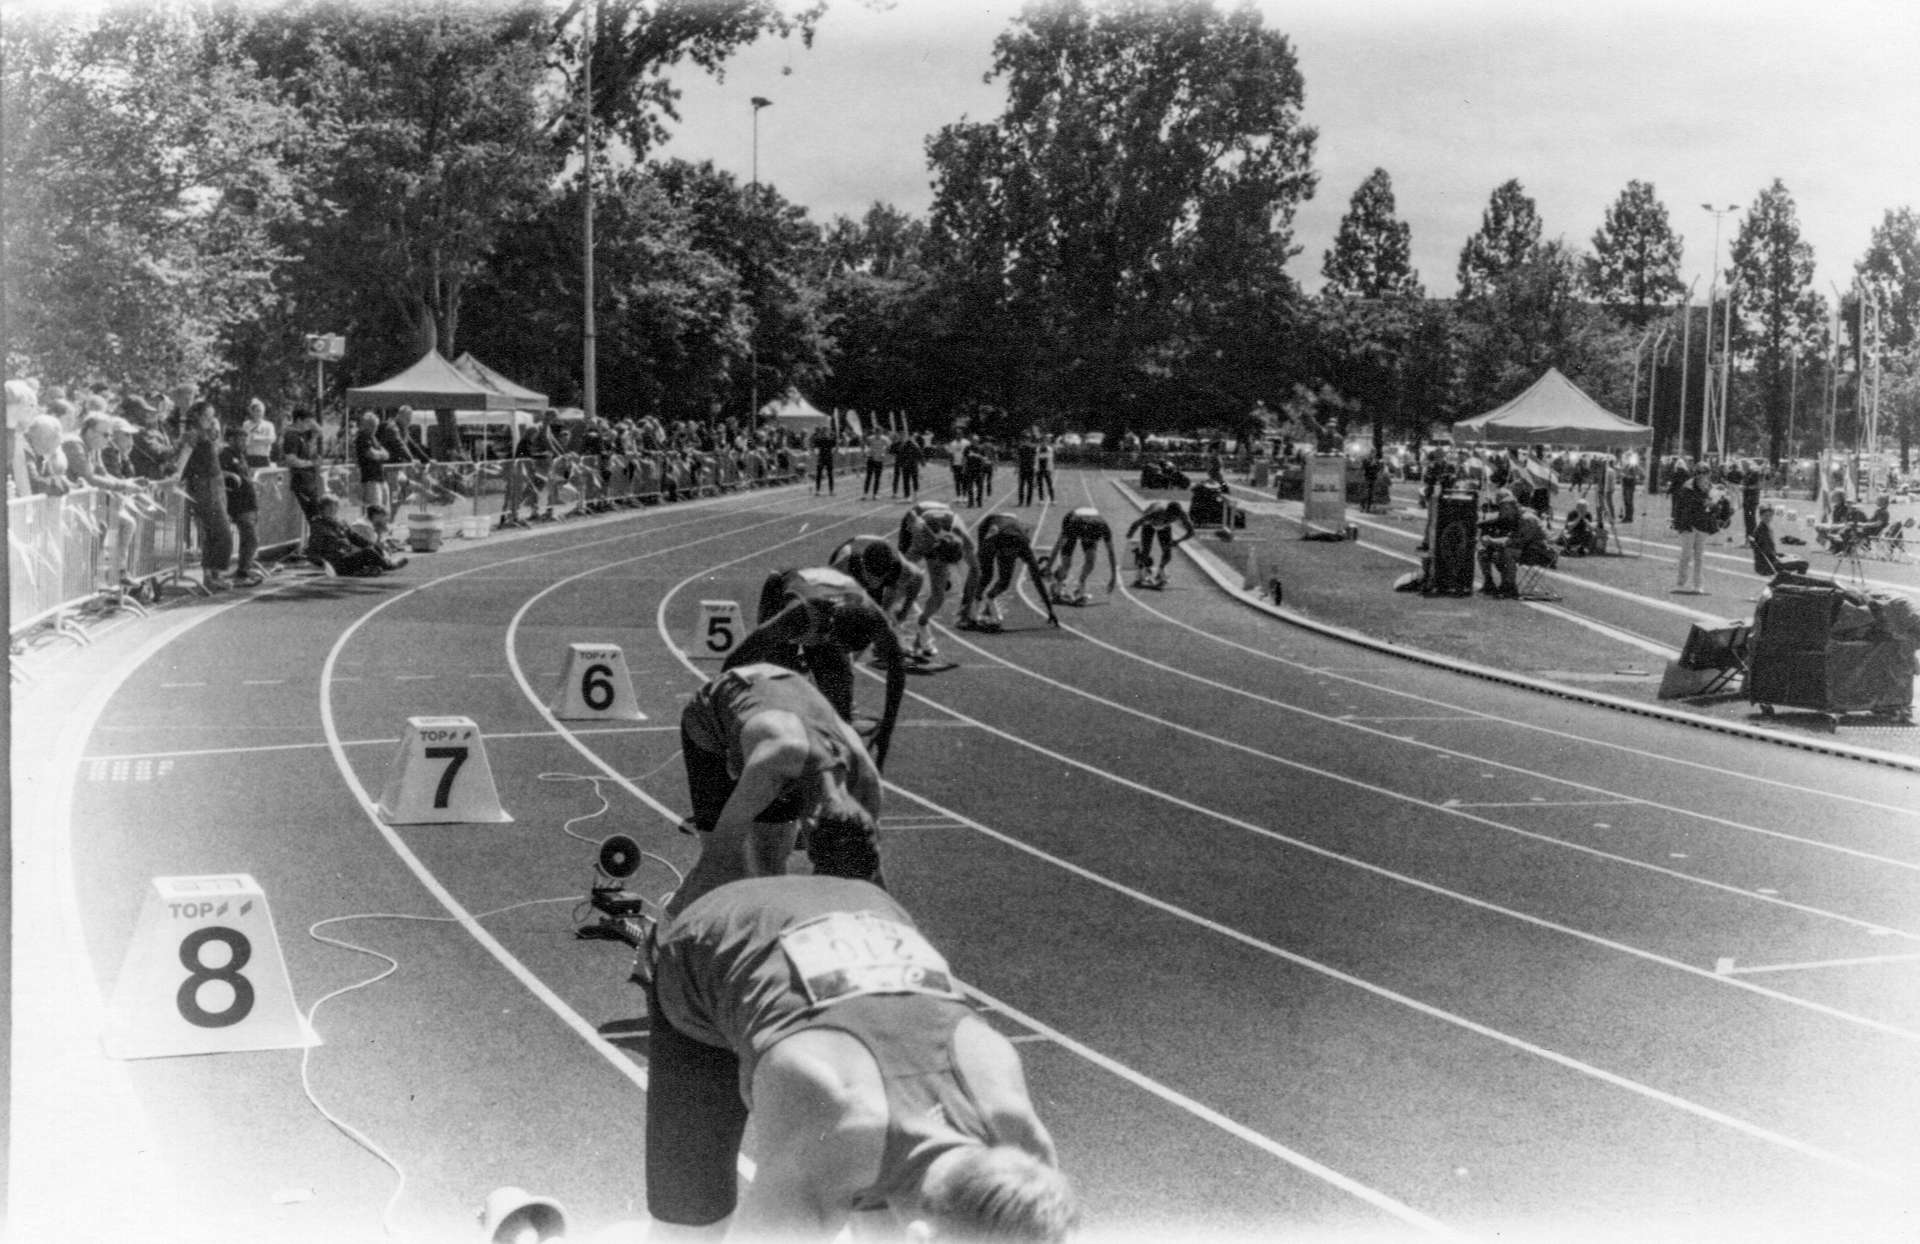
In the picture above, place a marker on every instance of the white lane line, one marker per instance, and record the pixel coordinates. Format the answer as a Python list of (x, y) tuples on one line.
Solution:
[(1725, 967), (1453, 717), (1910, 808), (1381, 1200), (263, 682), (323, 745), (180, 686), (1541, 922), (414, 677), (1542, 803), (1733, 1122)]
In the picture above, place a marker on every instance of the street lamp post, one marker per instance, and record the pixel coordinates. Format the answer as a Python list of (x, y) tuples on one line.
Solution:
[(1706, 362), (753, 346)]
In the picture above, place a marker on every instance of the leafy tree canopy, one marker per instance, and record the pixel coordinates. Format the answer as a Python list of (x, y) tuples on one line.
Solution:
[(1509, 230), (1371, 255), (1635, 265)]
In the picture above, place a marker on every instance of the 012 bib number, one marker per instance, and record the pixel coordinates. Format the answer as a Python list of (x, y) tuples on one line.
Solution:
[(842, 954)]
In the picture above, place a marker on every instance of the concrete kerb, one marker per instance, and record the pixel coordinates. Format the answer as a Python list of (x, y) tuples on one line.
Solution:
[(1224, 578)]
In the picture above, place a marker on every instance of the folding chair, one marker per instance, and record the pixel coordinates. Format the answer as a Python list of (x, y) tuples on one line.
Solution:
[(1530, 578), (1720, 652)]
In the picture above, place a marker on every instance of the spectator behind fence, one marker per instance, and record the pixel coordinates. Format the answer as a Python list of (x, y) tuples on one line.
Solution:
[(370, 460), (261, 438), (243, 504), (153, 449), (347, 552), (197, 466), (300, 451), (46, 462)]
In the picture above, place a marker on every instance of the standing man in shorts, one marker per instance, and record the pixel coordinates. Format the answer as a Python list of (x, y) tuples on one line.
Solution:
[(1083, 528), (815, 620), (872, 1085), (767, 756), (1155, 526), (1005, 543)]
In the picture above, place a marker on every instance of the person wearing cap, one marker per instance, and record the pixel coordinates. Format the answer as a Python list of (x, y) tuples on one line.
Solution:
[(153, 450), (816, 1006)]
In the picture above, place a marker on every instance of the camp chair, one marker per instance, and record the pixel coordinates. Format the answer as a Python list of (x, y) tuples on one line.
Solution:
[(1532, 581), (1720, 653)]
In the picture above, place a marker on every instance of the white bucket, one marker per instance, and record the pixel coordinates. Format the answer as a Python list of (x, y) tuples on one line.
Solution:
[(476, 526)]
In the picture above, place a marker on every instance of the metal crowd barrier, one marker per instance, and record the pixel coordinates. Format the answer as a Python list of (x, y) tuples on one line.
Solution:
[(67, 552)]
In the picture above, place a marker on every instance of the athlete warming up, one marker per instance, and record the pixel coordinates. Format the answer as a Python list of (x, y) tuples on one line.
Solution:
[(1155, 526), (1085, 530), (767, 757), (1006, 542), (875, 564), (932, 536), (817, 1005), (816, 620)]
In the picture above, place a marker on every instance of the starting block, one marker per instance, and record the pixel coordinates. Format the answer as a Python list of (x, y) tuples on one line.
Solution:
[(440, 776), (721, 628), (596, 686), (204, 975)]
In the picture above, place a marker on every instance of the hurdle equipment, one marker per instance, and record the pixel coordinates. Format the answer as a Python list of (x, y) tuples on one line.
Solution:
[(440, 776), (721, 628), (596, 686), (203, 975)]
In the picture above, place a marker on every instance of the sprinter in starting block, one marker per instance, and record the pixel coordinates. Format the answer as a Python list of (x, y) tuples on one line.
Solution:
[(816, 620), (889, 578), (767, 757), (1006, 542), (1155, 526), (1085, 529), (932, 536), (873, 1086)]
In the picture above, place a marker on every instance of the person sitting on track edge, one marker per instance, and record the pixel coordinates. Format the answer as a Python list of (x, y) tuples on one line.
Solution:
[(767, 756), (875, 564), (1155, 526), (1005, 542), (1086, 529), (932, 535), (816, 1006), (814, 620)]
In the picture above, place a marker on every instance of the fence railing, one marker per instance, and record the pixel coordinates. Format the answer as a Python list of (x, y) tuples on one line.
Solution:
[(66, 552)]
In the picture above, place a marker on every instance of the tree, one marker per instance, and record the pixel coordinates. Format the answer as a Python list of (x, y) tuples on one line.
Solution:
[(1509, 231), (1635, 264), (144, 180), (1146, 151), (1892, 261), (1531, 316), (1371, 255), (1776, 308)]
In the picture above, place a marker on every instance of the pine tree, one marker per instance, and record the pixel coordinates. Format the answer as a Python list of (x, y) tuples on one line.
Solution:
[(1777, 308), (1371, 254), (1509, 231), (1893, 261), (1635, 264)]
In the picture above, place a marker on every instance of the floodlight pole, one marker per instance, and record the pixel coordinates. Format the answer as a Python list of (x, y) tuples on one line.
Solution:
[(589, 363), (1713, 285), (753, 344)]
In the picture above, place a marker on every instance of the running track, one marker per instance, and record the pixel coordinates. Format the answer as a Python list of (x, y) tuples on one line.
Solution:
[(1293, 938)]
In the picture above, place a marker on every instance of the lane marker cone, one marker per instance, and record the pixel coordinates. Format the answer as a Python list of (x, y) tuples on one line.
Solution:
[(204, 975), (721, 628), (440, 776), (596, 686)]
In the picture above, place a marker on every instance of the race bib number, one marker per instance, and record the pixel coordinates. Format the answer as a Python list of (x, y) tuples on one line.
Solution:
[(843, 954)]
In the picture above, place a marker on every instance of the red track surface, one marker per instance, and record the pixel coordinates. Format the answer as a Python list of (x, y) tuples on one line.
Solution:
[(1294, 938)]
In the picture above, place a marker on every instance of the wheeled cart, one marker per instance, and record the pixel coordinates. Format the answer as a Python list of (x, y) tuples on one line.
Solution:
[(1817, 646)]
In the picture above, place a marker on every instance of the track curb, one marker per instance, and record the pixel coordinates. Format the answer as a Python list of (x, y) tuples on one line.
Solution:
[(1224, 579)]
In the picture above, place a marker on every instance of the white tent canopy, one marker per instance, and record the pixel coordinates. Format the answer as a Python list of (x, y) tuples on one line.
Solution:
[(1552, 411), (793, 410)]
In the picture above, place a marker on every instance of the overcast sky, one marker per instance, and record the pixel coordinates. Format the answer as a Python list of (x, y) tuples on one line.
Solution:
[(1708, 100)]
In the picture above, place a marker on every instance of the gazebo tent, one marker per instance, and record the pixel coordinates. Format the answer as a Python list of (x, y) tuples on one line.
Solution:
[(473, 369), (1552, 411), (794, 411), (435, 384)]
